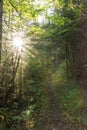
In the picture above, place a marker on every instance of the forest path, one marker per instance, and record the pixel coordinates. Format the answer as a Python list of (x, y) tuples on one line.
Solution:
[(53, 117), (83, 70), (83, 58)]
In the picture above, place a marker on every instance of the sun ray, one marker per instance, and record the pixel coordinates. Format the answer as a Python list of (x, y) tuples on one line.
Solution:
[(18, 43)]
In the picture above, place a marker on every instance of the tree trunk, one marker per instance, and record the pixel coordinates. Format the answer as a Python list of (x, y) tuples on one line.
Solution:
[(1, 8)]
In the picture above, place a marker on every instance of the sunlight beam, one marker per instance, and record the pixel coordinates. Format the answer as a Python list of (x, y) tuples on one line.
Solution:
[(18, 43)]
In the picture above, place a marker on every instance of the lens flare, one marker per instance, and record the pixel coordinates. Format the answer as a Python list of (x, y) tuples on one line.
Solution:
[(18, 43)]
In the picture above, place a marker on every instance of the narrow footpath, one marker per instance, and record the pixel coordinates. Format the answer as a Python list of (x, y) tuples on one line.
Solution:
[(54, 119), (83, 70)]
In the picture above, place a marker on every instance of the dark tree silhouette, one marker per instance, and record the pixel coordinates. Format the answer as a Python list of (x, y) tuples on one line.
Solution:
[(1, 6)]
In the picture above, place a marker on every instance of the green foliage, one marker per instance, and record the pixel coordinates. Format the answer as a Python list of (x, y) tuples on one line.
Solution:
[(71, 104), (35, 88)]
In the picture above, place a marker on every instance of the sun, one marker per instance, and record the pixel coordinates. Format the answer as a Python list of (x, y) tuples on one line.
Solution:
[(18, 43)]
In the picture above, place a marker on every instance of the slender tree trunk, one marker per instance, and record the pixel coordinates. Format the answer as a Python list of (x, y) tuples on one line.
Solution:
[(1, 8), (21, 82)]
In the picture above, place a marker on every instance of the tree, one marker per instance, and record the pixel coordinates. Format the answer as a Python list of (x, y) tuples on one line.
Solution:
[(43, 65), (1, 10)]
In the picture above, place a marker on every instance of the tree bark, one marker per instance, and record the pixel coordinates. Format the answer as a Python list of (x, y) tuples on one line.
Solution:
[(1, 8)]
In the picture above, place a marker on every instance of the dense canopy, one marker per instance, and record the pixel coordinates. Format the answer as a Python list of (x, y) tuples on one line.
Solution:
[(43, 65)]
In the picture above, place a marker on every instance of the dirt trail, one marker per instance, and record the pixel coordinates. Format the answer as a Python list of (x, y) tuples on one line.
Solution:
[(83, 61), (54, 119), (83, 69)]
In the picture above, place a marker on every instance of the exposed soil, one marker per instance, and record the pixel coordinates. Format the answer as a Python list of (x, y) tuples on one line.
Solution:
[(83, 69), (52, 118), (83, 59)]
